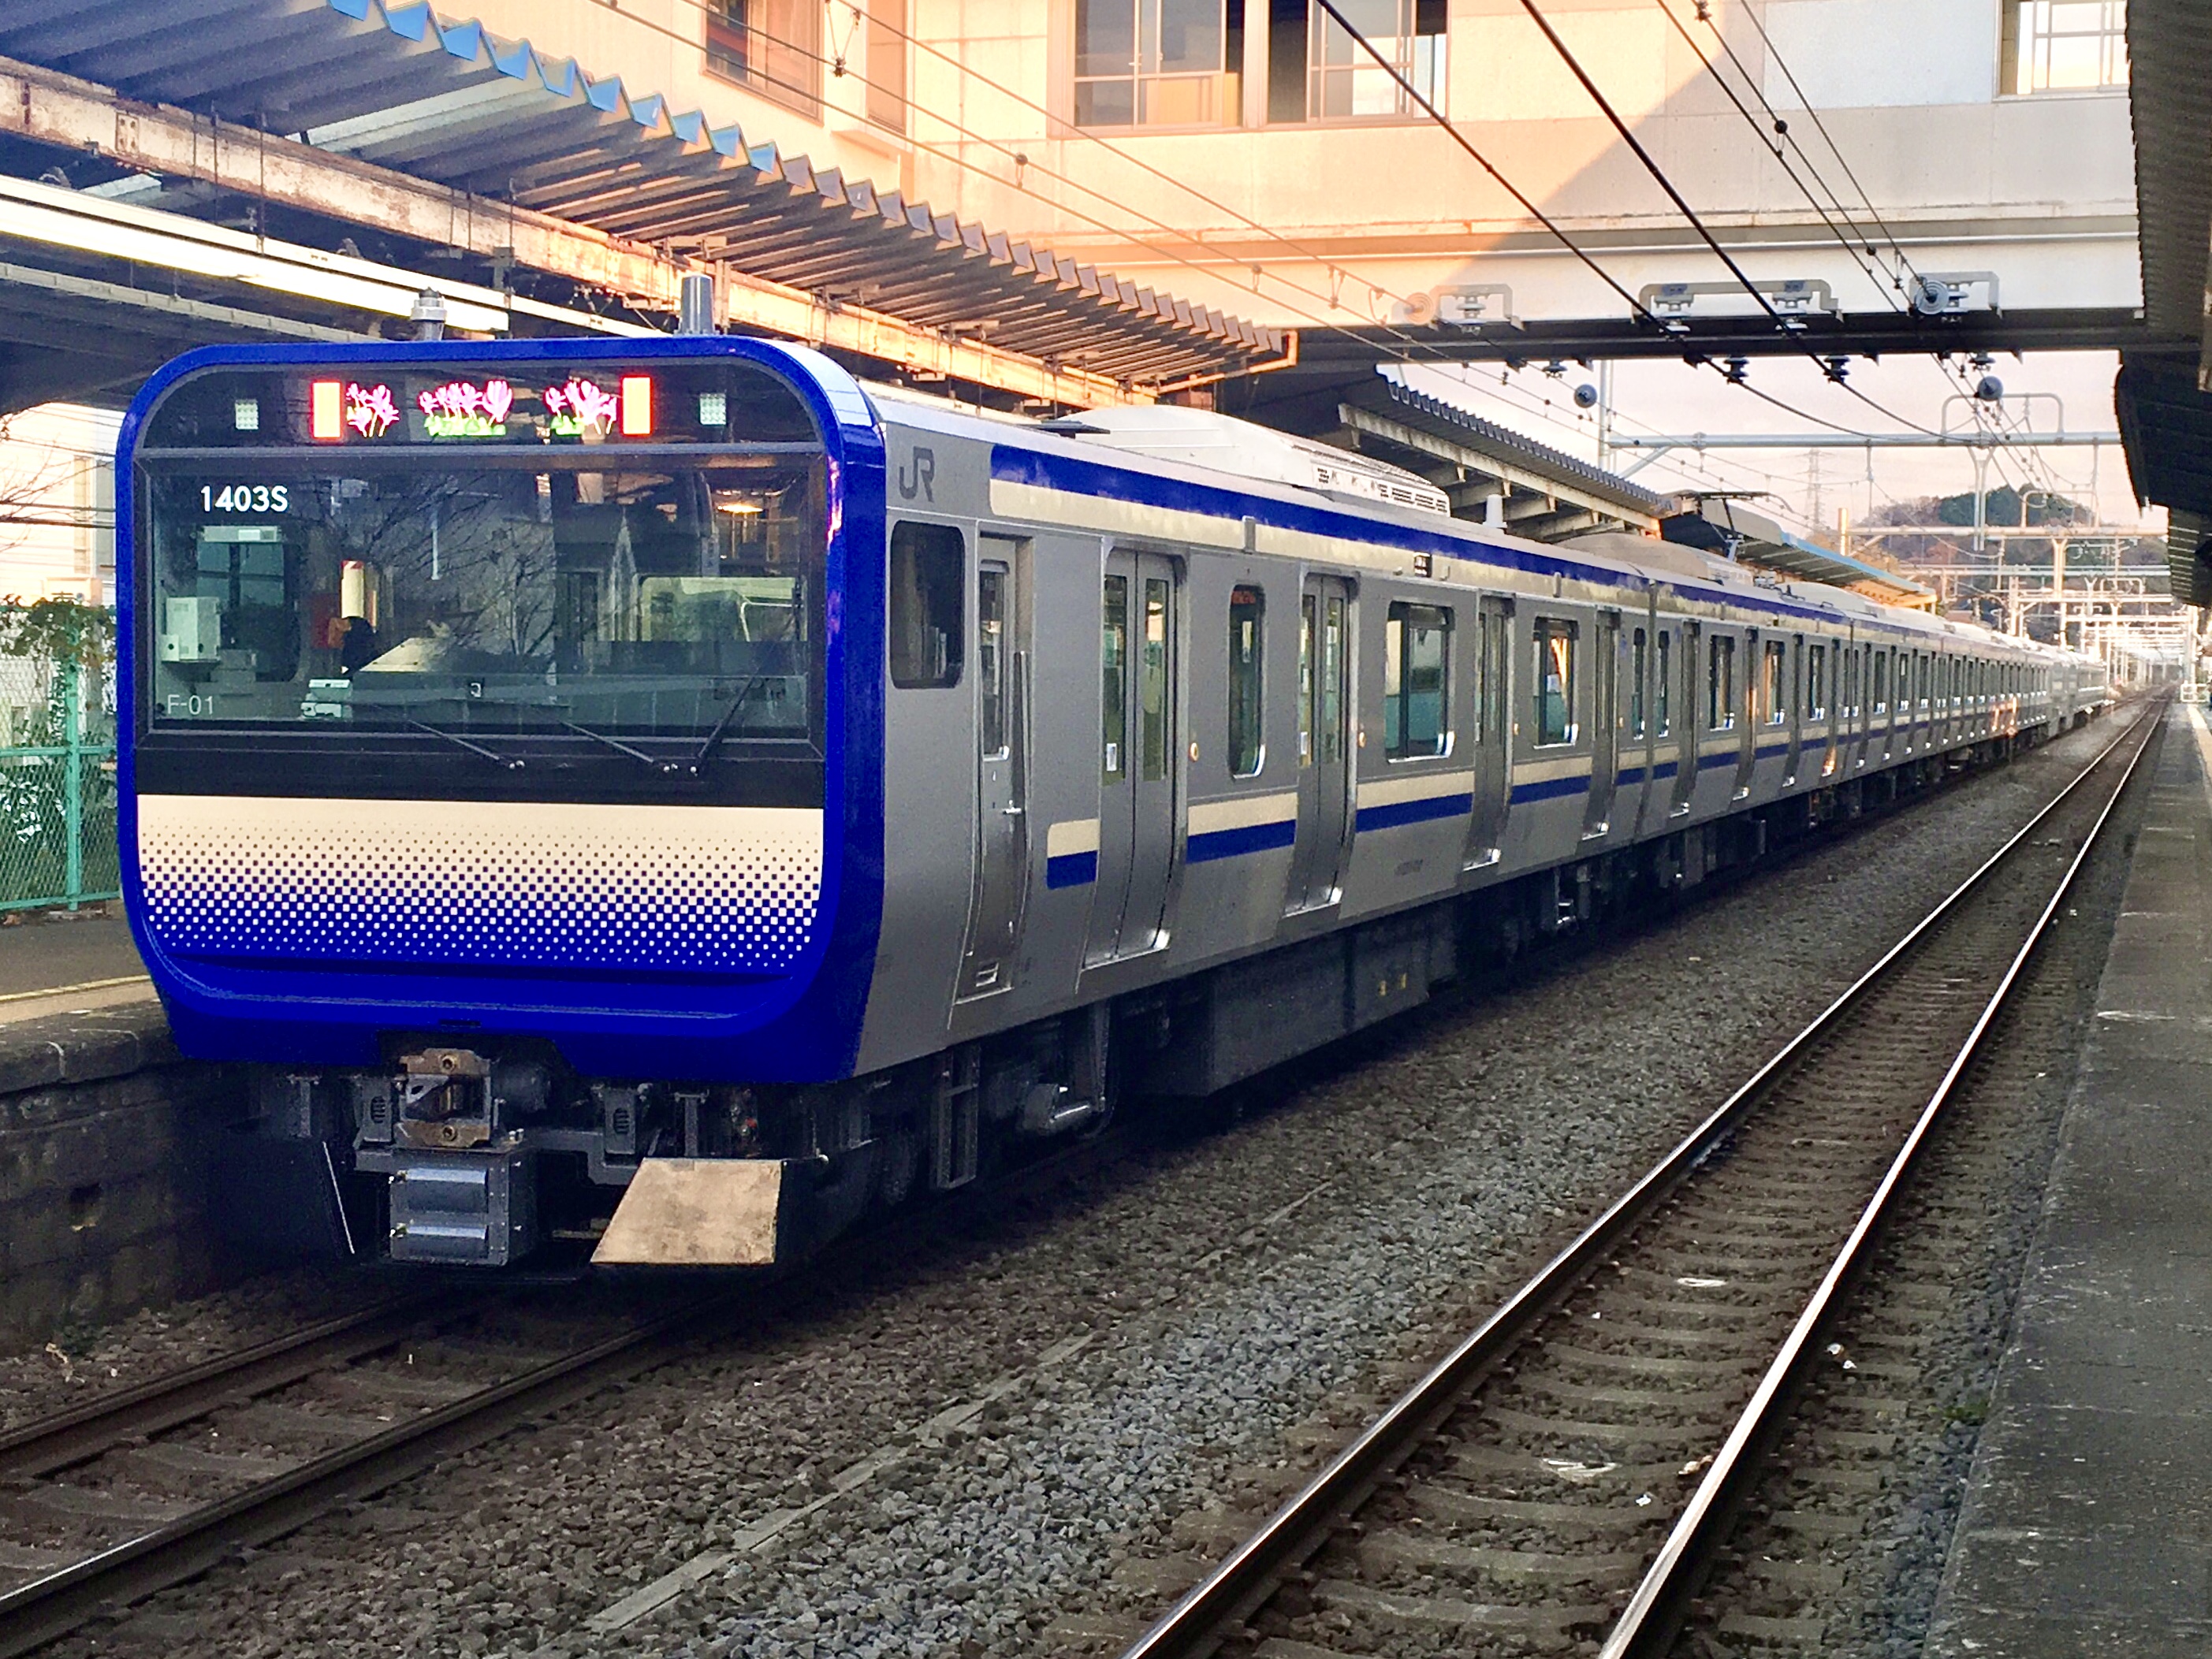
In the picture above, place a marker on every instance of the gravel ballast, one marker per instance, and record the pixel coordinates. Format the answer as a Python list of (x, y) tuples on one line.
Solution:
[(1152, 1357)]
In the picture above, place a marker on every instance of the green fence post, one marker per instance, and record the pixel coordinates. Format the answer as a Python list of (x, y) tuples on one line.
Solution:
[(73, 782)]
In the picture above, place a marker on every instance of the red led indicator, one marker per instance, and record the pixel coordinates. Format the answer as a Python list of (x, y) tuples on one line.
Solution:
[(325, 418), (637, 406)]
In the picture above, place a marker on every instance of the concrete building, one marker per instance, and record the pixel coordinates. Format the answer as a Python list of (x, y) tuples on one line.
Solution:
[(57, 505), (1249, 153)]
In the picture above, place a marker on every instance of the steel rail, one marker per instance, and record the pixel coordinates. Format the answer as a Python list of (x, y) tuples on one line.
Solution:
[(85, 1431), (99, 1586), (1234, 1590), (61, 1601), (1649, 1623)]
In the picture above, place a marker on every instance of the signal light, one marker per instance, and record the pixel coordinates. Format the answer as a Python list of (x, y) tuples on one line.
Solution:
[(637, 406), (325, 419)]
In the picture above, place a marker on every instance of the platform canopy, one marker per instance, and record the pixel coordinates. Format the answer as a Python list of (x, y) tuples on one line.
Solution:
[(2164, 407), (1720, 524), (389, 98)]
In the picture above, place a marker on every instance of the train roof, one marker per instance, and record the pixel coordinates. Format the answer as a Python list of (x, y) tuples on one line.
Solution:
[(1176, 445)]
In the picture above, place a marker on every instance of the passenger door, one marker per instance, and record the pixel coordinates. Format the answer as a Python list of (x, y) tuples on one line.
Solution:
[(1001, 775), (1324, 743), (1605, 726), (1493, 732), (1138, 638), (1689, 716)]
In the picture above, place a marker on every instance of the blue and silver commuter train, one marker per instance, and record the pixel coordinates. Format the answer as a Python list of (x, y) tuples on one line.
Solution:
[(665, 797)]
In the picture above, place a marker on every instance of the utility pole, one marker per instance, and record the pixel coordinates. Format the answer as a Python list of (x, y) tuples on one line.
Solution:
[(1812, 502)]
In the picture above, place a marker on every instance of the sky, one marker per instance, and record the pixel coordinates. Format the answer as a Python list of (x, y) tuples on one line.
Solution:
[(2045, 392)]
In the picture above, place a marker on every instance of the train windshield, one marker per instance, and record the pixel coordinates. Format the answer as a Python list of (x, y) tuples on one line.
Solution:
[(604, 556)]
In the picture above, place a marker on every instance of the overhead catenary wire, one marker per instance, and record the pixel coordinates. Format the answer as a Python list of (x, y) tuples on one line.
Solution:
[(1861, 252), (1659, 176), (1775, 56), (1091, 137), (1435, 357), (814, 96)]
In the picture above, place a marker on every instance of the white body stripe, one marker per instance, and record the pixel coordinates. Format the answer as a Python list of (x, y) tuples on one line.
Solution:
[(1243, 813), (1071, 836), (1420, 785), (1543, 771)]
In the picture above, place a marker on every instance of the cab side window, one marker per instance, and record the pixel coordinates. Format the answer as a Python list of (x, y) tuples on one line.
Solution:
[(928, 604)]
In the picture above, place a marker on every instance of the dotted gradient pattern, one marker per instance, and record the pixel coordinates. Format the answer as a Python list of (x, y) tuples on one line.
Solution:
[(696, 890)]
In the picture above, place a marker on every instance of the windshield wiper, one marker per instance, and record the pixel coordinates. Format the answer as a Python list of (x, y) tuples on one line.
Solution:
[(507, 763), (620, 747), (706, 751)]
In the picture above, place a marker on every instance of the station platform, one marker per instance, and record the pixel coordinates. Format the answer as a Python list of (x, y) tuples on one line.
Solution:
[(64, 963), (2086, 1526)]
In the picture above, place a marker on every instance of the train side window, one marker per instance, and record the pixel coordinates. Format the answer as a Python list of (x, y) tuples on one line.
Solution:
[(1114, 680), (1720, 684), (1555, 682), (1776, 703), (1416, 653), (1152, 689), (1638, 659), (1662, 688), (991, 664), (1247, 609), (928, 601), (1817, 669)]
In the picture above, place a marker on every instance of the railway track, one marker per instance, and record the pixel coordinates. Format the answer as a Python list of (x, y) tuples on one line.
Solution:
[(1561, 1481), (129, 1494), (109, 1503)]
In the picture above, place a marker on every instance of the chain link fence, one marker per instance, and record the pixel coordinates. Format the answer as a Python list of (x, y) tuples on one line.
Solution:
[(57, 843)]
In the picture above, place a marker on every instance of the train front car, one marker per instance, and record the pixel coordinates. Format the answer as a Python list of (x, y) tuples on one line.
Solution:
[(489, 783)]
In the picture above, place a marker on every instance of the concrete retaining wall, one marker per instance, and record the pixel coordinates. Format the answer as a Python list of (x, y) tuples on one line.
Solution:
[(104, 1169)]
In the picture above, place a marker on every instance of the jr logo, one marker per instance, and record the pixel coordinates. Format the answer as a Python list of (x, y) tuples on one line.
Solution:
[(919, 478)]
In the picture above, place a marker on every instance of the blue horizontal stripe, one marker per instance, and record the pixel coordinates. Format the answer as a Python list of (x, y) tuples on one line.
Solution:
[(1706, 762), (1230, 843), (1633, 774), (1772, 749), (1081, 476), (1665, 770), (1577, 785), (1415, 811), (1072, 869)]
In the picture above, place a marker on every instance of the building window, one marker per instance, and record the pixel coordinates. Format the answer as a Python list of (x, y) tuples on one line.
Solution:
[(2065, 45), (886, 63), (773, 47), (1555, 682), (1416, 646), (1247, 609), (1343, 80), (1151, 64)]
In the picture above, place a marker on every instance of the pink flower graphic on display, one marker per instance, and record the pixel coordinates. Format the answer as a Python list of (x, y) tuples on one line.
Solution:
[(591, 406), (462, 400), (369, 409)]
